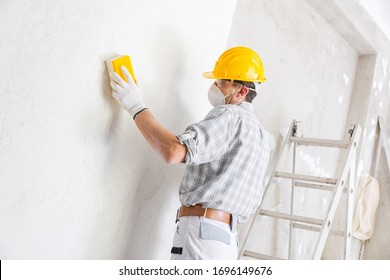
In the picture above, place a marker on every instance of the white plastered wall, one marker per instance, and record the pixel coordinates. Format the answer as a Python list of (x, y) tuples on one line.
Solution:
[(77, 180)]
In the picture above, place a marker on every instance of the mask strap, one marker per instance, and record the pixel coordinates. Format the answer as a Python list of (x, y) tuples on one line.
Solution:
[(235, 92), (257, 87)]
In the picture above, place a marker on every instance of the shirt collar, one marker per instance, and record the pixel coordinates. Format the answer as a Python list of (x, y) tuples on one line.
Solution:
[(246, 105)]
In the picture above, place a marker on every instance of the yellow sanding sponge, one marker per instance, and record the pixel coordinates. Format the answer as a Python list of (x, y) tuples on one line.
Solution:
[(114, 65)]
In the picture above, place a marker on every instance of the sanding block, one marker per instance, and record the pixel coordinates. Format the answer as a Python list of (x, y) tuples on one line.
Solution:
[(114, 65)]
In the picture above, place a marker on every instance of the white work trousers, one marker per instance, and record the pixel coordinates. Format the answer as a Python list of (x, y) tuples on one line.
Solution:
[(200, 238)]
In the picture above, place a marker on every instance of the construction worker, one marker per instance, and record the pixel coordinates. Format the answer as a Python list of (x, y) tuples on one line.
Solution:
[(226, 156)]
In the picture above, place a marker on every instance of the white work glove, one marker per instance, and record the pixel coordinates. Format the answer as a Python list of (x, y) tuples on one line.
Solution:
[(127, 94)]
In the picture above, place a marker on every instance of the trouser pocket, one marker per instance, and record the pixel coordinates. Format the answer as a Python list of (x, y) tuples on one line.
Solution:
[(211, 230)]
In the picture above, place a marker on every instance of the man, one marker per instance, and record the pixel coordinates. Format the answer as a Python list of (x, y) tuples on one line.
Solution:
[(226, 155)]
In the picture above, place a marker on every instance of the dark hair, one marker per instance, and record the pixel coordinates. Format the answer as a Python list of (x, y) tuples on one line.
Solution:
[(251, 90)]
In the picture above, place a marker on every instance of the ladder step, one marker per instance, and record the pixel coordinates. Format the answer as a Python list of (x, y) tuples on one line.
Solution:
[(259, 256), (320, 142), (291, 217), (317, 186), (314, 186), (317, 228), (314, 179)]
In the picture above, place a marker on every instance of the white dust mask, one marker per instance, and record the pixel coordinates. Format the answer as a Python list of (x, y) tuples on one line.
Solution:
[(216, 96)]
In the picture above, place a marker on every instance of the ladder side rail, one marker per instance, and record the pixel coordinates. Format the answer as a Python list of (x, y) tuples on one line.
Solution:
[(292, 195), (336, 197), (350, 208), (274, 165), (320, 245), (281, 155)]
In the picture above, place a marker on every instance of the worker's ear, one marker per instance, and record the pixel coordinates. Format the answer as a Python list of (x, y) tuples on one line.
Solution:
[(243, 92)]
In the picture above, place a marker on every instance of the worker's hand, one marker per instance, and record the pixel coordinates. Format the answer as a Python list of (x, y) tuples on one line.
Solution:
[(127, 94)]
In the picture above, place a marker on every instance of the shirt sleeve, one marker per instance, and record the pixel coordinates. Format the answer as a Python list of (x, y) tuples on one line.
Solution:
[(208, 140)]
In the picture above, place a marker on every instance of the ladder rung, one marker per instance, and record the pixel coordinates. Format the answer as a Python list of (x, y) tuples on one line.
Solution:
[(324, 180), (291, 217), (317, 186), (259, 256), (314, 186), (317, 228), (320, 142)]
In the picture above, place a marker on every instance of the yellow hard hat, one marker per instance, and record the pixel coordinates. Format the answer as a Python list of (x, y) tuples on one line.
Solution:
[(238, 63)]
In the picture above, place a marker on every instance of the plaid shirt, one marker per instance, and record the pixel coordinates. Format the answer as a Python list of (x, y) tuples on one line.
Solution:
[(227, 157)]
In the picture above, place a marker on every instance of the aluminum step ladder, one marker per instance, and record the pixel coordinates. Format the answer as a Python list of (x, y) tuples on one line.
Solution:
[(336, 185)]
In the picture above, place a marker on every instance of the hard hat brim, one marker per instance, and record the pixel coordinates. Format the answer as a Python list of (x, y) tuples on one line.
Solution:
[(209, 75)]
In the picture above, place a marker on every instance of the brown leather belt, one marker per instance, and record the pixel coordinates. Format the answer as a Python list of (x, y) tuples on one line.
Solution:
[(198, 210)]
